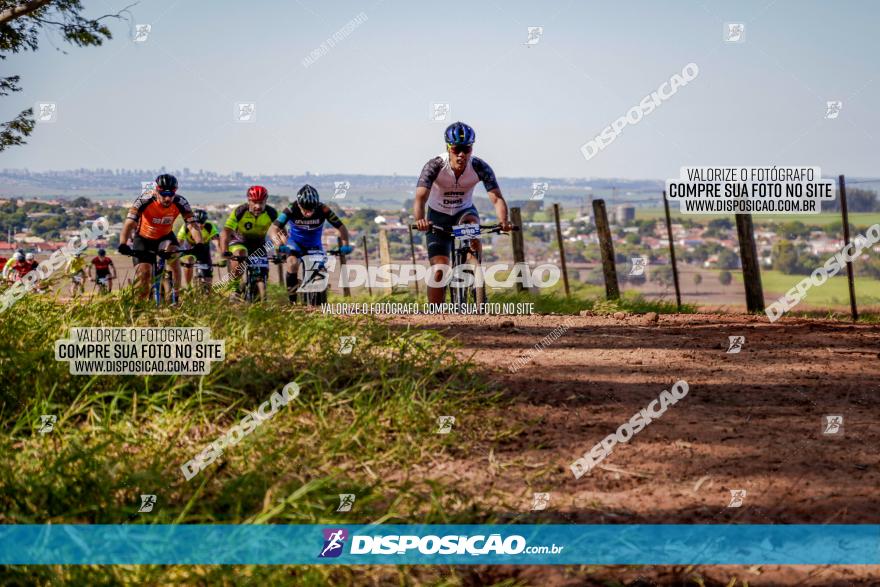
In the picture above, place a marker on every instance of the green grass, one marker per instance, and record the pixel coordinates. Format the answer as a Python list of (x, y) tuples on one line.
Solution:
[(359, 424), (859, 219), (834, 293), (550, 300)]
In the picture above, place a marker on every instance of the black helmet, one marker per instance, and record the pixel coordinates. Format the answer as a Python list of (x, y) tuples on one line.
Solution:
[(166, 182), (101, 252), (308, 197), (200, 216)]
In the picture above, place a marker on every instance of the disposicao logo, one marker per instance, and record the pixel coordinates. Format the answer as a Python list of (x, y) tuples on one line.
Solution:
[(334, 540)]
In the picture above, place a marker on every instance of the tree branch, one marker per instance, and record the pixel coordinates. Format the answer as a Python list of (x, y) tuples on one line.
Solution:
[(22, 10)]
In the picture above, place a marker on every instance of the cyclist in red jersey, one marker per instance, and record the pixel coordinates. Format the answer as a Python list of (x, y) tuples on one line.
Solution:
[(24, 266), (104, 269), (150, 219)]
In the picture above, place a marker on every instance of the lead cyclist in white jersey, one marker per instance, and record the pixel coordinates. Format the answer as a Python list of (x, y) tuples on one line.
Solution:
[(446, 185)]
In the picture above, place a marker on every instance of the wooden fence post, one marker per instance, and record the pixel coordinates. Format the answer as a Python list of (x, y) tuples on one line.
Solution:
[(412, 252), (606, 247), (672, 252), (748, 254), (367, 265), (384, 252), (561, 249), (519, 257), (841, 183)]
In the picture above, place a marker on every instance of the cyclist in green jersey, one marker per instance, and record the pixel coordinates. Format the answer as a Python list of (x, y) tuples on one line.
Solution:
[(245, 231), (188, 259)]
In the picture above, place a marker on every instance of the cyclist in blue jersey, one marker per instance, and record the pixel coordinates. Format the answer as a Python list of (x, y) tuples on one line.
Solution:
[(303, 223), (444, 196)]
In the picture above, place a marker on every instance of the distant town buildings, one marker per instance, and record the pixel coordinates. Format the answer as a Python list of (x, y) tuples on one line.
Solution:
[(624, 215)]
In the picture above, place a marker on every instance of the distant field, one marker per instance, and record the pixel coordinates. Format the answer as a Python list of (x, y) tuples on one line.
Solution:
[(833, 292), (857, 218)]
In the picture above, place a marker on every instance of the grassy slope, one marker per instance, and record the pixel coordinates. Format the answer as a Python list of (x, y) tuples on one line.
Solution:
[(360, 421), (832, 293)]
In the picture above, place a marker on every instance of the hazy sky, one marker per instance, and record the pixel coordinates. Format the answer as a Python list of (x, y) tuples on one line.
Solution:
[(363, 107)]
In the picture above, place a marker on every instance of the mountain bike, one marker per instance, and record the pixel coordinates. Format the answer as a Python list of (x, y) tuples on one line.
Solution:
[(256, 268), (102, 285), (464, 287), (203, 273), (77, 284), (163, 279), (313, 275), (162, 287)]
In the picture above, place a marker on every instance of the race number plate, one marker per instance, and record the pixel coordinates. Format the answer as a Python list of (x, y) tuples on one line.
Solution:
[(259, 262), (466, 230)]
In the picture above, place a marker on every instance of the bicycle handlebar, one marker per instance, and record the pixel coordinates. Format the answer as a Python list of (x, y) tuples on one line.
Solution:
[(167, 255), (484, 228), (300, 254)]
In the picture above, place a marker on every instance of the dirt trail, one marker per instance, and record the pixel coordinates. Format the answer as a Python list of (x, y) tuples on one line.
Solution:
[(751, 421)]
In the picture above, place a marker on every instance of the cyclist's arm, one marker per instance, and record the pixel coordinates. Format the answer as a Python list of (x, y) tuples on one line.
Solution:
[(89, 269), (112, 269), (427, 177), (127, 228), (500, 207), (419, 207), (190, 220), (229, 227), (195, 232), (276, 233), (336, 223), (134, 216), (343, 234), (487, 176), (225, 235)]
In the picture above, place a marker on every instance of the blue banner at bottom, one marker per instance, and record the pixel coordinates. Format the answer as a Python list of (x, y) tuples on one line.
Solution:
[(440, 544)]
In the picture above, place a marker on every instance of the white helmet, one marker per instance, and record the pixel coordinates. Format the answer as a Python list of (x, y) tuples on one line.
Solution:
[(18, 257), (29, 257)]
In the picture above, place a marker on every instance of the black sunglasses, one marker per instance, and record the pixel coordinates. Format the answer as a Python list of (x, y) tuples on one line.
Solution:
[(461, 149)]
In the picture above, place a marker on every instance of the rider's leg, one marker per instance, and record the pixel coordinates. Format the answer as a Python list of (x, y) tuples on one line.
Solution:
[(236, 268), (143, 275), (187, 263), (440, 276), (239, 256), (291, 277), (175, 271), (261, 286)]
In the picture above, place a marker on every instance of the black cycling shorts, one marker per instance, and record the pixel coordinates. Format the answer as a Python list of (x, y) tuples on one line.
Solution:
[(145, 249), (440, 245)]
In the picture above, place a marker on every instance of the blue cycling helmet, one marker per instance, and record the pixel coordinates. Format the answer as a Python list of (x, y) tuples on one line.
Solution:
[(308, 197), (459, 134)]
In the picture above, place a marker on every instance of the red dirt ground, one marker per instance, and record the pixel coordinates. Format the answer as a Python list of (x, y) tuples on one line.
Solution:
[(750, 421)]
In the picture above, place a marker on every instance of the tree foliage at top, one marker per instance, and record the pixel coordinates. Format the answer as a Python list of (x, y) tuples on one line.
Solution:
[(21, 24)]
